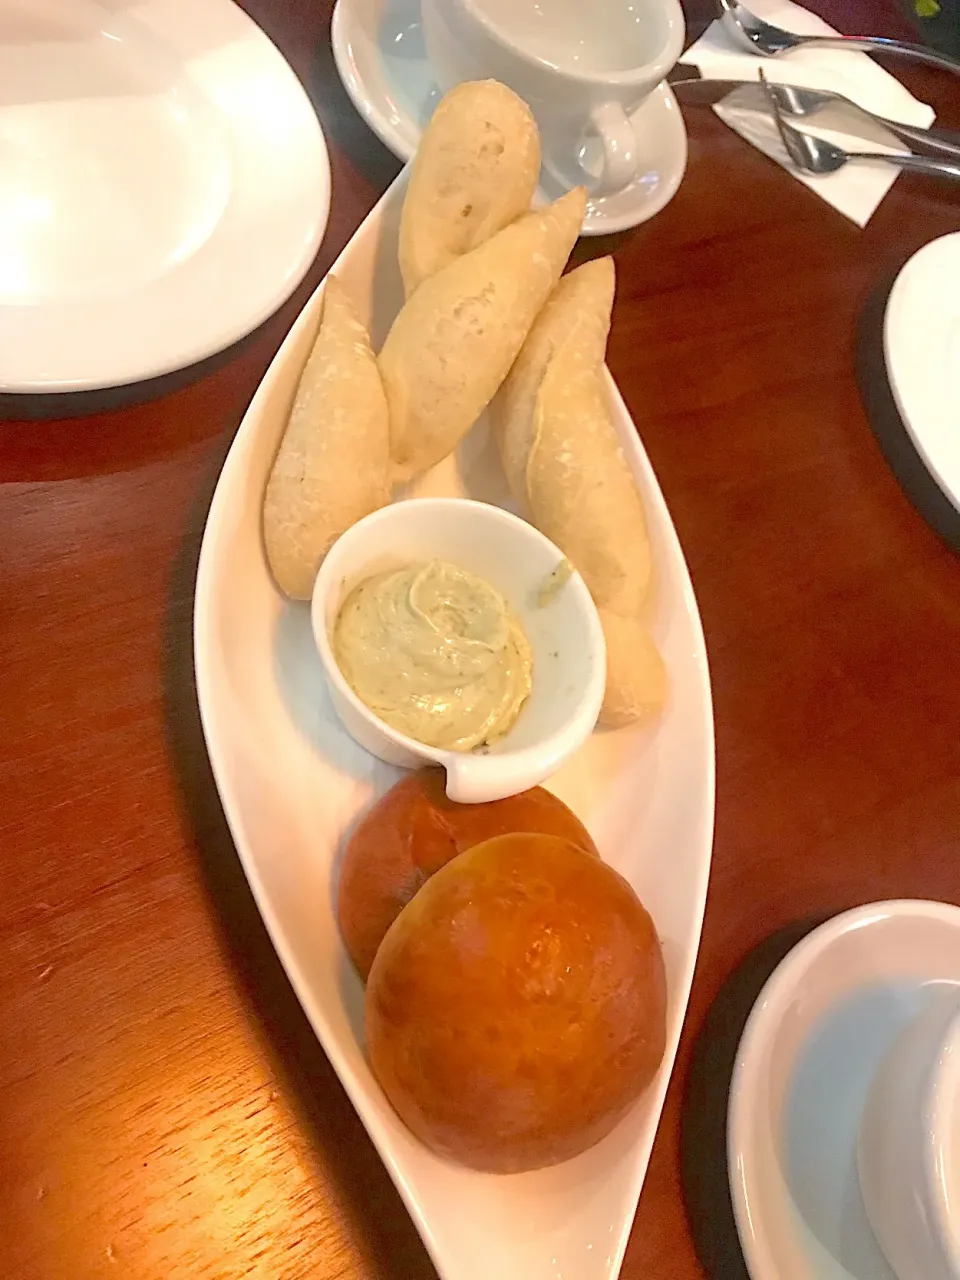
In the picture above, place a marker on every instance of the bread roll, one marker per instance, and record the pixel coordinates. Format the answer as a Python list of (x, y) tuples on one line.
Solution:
[(564, 463), (517, 1006), (475, 170), (456, 337), (637, 681), (413, 831), (332, 466)]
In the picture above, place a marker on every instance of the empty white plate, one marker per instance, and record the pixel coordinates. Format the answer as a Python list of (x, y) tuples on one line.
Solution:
[(380, 54), (817, 1034), (164, 187), (921, 342)]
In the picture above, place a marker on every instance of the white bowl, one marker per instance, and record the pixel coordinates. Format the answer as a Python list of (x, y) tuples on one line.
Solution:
[(816, 1039), (907, 1150), (569, 657)]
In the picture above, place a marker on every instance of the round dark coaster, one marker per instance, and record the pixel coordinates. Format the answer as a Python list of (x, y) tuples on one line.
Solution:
[(703, 1133)]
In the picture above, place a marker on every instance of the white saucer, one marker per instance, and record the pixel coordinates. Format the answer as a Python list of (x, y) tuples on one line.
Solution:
[(164, 187), (380, 54), (921, 342), (819, 1030)]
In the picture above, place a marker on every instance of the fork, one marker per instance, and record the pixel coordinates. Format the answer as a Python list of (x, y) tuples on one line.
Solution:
[(768, 40), (816, 155), (800, 102), (797, 101)]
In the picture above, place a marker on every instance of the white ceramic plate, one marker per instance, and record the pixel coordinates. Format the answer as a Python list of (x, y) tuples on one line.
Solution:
[(164, 187), (291, 782), (921, 342), (380, 54), (821, 1027)]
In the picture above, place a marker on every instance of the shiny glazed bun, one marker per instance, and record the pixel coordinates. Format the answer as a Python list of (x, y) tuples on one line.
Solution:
[(413, 831), (517, 1005)]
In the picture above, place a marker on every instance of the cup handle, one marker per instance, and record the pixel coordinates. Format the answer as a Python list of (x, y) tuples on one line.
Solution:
[(609, 123)]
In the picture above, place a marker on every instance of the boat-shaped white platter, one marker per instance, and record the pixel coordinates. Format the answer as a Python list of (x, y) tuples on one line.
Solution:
[(292, 783)]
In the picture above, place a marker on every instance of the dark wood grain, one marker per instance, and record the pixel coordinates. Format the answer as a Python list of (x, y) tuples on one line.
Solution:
[(164, 1108)]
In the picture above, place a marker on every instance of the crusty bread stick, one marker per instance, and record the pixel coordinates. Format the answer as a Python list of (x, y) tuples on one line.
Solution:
[(564, 463), (332, 465), (474, 172), (457, 335)]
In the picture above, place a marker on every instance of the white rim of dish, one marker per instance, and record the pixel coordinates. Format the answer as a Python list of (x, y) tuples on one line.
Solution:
[(764, 1017), (906, 393), (941, 1110), (388, 133)]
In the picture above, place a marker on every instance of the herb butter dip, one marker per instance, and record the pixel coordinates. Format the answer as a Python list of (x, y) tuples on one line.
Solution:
[(436, 653)]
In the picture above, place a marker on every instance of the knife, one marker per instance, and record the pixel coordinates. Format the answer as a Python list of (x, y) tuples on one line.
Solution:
[(696, 89), (693, 88)]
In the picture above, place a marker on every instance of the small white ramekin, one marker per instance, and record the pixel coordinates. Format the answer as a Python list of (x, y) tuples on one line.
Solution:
[(569, 657)]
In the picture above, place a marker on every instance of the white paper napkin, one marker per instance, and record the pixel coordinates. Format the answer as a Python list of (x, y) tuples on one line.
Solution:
[(857, 189)]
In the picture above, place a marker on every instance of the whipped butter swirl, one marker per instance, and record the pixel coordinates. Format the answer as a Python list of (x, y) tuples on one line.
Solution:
[(436, 653)]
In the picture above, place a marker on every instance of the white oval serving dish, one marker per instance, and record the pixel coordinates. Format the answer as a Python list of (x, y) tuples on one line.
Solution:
[(291, 781)]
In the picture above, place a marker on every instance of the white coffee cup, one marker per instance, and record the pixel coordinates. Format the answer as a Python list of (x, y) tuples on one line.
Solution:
[(584, 66)]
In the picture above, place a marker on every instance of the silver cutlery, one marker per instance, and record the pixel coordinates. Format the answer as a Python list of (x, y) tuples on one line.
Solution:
[(765, 39), (799, 102), (816, 155)]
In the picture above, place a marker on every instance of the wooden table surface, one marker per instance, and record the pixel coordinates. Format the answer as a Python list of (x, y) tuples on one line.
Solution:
[(165, 1111)]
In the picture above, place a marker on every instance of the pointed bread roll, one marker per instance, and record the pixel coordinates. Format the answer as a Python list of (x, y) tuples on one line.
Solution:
[(637, 681), (456, 337), (475, 171), (333, 462), (564, 463)]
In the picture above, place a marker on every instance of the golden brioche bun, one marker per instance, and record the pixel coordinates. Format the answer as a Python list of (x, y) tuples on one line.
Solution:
[(517, 1005), (413, 831)]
